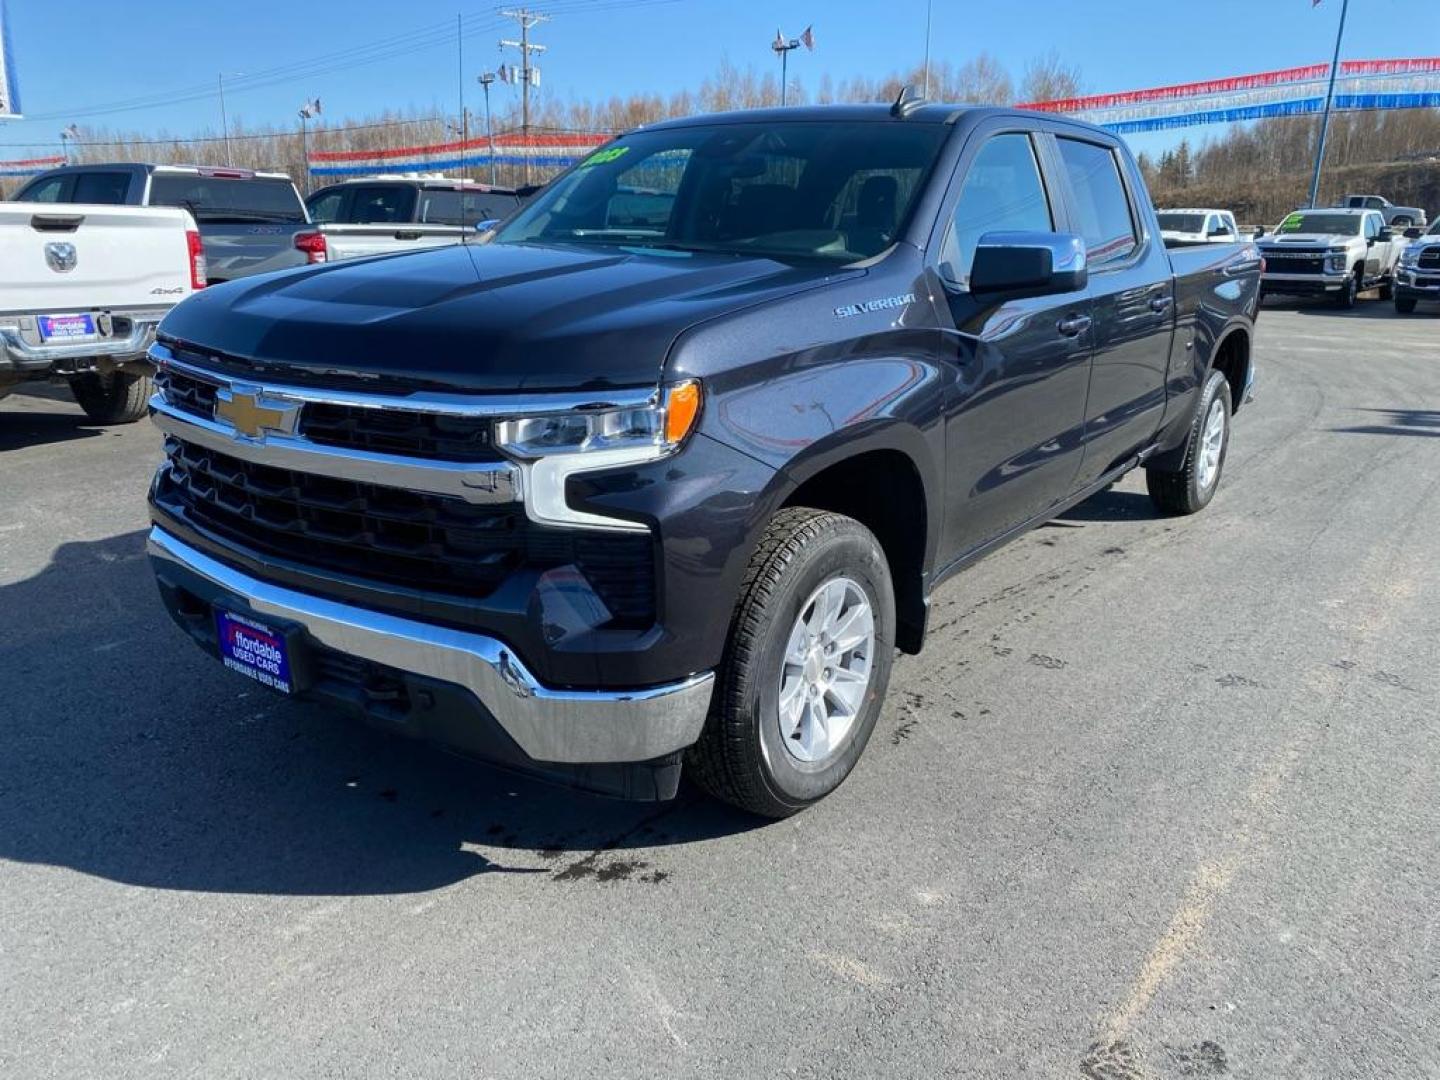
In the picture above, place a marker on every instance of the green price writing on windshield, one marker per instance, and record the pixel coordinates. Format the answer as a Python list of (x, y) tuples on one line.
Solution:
[(604, 157)]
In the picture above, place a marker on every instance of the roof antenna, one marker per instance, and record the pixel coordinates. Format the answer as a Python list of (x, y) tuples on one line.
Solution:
[(907, 102)]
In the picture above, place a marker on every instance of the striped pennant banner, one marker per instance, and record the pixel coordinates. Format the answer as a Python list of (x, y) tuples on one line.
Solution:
[(28, 166), (552, 150)]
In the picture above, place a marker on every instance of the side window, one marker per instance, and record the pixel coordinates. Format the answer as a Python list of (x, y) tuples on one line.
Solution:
[(1002, 192), (1372, 203), (101, 187), (49, 190), (325, 207), (1101, 204), (1372, 226), (381, 205)]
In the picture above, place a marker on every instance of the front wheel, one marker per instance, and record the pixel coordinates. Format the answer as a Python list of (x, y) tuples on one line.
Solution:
[(805, 669), (117, 397), (1190, 490), (1404, 304), (1387, 290), (1349, 292)]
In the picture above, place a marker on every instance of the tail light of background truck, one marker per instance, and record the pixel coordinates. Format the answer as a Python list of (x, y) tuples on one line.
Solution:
[(198, 279), (313, 244)]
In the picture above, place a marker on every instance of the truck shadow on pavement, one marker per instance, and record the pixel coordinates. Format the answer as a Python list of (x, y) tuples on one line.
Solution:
[(1424, 422), (22, 427), (132, 756)]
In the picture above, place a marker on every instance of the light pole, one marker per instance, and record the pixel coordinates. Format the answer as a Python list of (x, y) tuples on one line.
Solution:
[(782, 45), (1325, 117), (69, 135), (307, 111), (485, 79), (929, 12)]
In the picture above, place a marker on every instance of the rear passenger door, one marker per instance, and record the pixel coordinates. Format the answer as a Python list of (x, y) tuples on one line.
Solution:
[(1015, 403), (1132, 304)]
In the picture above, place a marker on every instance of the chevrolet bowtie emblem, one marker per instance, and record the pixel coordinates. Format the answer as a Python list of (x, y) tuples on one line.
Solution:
[(253, 415)]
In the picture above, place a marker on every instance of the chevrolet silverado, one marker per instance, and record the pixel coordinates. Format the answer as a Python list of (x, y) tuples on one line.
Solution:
[(604, 498)]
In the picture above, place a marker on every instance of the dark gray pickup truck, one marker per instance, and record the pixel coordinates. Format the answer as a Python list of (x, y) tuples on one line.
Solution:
[(615, 495), (250, 222)]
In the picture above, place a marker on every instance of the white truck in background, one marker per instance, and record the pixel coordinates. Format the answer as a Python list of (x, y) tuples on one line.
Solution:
[(390, 215), (1197, 226), (83, 288), (1336, 253)]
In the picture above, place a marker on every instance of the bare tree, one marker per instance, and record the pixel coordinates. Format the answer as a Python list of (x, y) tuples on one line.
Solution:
[(1049, 78)]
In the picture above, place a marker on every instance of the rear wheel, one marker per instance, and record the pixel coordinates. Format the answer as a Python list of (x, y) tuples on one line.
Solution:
[(118, 397), (1404, 304), (1387, 290), (806, 668), (1190, 490)]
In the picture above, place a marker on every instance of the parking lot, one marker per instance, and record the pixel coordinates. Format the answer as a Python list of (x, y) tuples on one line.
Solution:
[(1157, 801)]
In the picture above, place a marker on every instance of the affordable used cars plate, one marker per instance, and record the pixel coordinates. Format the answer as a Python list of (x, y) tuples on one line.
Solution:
[(254, 649), (67, 327)]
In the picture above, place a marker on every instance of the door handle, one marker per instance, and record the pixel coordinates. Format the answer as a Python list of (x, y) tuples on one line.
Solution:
[(407, 234), (1160, 303), (1073, 325)]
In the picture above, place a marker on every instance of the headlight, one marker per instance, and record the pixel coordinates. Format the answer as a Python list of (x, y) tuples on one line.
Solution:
[(1410, 256), (1336, 260), (552, 447)]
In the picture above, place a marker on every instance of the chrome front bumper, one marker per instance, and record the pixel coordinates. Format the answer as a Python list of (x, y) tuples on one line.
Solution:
[(561, 726)]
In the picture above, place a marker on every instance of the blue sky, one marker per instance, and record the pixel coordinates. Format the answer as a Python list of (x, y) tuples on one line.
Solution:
[(77, 55)]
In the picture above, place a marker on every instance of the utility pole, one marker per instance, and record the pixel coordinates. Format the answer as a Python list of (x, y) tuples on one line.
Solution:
[(1329, 97), (485, 79), (529, 75), (460, 81), (782, 46), (68, 136), (929, 12), (224, 124)]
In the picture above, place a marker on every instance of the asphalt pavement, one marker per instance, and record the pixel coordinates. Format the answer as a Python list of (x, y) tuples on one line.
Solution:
[(1158, 801)]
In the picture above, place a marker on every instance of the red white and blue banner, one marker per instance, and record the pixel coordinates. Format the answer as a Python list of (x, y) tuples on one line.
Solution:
[(543, 150), (29, 166), (1360, 85)]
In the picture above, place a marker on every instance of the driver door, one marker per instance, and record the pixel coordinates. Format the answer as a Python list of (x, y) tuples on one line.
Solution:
[(1019, 369)]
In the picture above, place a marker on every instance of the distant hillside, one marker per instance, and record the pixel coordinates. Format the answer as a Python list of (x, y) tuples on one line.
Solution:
[(1265, 200)]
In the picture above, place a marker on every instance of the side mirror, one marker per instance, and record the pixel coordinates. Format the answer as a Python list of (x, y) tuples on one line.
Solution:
[(1259, 232), (1029, 264), (1385, 235), (1414, 233)]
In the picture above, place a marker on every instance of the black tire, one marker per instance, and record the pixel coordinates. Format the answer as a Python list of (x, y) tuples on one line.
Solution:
[(742, 757), (1347, 296), (1387, 290), (120, 397), (1182, 492), (1405, 304)]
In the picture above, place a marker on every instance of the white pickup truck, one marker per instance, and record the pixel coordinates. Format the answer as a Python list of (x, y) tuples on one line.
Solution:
[(389, 215), (84, 288), (1180, 228), (1335, 253)]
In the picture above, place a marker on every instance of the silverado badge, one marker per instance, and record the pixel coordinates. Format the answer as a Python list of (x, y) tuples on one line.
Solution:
[(253, 415)]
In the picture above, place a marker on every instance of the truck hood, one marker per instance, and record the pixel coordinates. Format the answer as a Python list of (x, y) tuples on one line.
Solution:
[(482, 317), (1309, 240)]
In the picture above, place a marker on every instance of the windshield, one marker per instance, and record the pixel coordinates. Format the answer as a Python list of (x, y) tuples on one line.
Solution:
[(1334, 224), (217, 199), (790, 190), (1171, 221)]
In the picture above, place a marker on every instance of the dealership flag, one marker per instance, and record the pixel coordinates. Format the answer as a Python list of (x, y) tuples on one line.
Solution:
[(9, 84)]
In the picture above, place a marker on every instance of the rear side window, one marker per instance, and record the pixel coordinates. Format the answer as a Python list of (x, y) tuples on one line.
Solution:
[(218, 199), (101, 187), (439, 207), (49, 189), (1003, 192), (382, 204), (1101, 205)]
